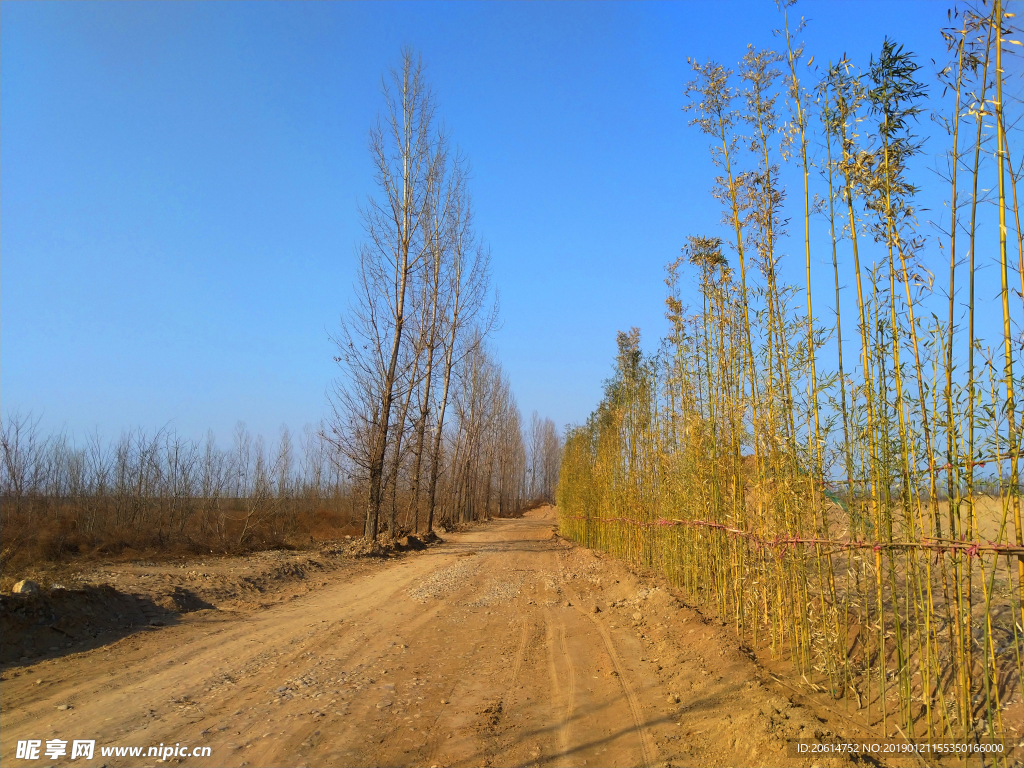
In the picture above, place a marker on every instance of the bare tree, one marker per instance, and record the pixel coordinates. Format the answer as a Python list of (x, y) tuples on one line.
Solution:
[(407, 151), (551, 459), (438, 293), (465, 322), (488, 466), (536, 440), (545, 457), (413, 341)]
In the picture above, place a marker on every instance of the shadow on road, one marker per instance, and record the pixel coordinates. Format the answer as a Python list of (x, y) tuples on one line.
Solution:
[(57, 622)]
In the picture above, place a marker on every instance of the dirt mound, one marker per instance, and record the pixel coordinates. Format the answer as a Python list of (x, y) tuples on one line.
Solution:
[(364, 548), (181, 600), (410, 543), (53, 620), (430, 537), (385, 546)]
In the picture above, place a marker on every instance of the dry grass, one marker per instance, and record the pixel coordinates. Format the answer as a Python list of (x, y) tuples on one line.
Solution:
[(32, 538)]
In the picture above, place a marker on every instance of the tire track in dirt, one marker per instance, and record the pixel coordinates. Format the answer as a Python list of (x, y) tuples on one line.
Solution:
[(524, 636), (431, 745), (366, 650), (432, 742), (647, 747), (563, 685), (556, 686), (570, 698)]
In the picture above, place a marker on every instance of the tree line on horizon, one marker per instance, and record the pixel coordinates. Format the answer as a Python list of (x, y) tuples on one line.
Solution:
[(159, 492)]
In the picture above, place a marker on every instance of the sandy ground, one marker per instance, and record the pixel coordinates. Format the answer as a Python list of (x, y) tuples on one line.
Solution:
[(503, 646)]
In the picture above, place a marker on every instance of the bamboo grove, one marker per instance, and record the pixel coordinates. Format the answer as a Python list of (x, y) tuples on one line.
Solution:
[(838, 475)]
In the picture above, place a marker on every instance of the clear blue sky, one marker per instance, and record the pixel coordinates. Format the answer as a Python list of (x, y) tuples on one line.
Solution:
[(179, 186)]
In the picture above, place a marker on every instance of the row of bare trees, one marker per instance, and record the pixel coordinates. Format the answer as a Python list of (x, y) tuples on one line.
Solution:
[(545, 458), (412, 346), (159, 490)]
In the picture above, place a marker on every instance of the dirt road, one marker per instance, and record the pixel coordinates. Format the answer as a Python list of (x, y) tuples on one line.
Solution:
[(504, 646)]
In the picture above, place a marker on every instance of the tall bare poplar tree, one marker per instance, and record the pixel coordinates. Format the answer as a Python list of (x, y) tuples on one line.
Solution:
[(466, 286), (421, 306), (407, 152)]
